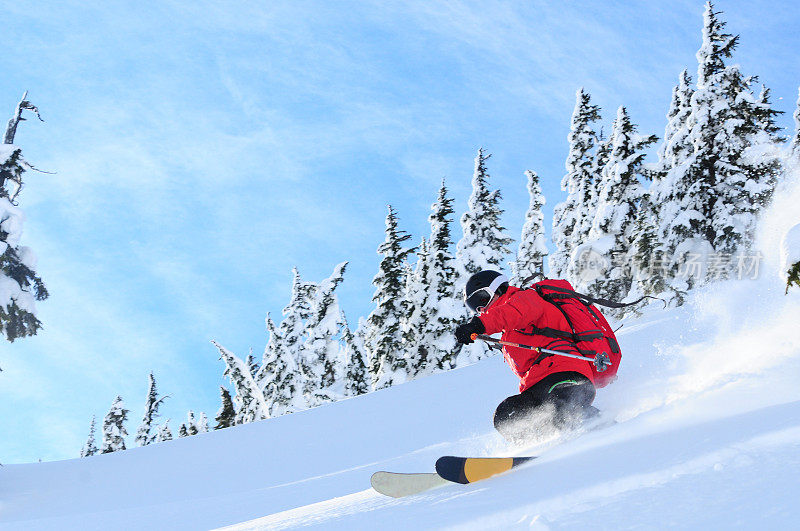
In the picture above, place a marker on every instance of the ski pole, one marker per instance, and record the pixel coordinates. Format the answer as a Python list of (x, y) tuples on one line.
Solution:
[(600, 360)]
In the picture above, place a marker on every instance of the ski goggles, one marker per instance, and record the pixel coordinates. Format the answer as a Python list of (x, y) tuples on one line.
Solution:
[(478, 300)]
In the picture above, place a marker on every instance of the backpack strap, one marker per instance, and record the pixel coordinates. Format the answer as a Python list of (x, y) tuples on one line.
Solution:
[(533, 278), (564, 293), (548, 298), (554, 333)]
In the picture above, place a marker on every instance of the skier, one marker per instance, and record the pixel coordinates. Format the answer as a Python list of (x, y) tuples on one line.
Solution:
[(550, 315)]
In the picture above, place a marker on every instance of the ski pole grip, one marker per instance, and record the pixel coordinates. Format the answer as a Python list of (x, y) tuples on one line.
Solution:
[(473, 337)]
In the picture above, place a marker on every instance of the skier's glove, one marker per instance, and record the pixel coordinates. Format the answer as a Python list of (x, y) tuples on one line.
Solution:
[(464, 332)]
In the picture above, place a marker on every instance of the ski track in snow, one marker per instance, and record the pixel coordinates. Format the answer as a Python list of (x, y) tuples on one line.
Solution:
[(318, 513), (737, 454)]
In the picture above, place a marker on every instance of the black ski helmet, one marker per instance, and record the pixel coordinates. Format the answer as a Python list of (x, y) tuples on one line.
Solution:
[(481, 287)]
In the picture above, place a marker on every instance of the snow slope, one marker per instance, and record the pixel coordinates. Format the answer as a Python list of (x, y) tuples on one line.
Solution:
[(708, 405), (709, 413)]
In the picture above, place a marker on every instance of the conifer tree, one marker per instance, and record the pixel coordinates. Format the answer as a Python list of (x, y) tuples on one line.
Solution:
[(384, 325), (143, 435), (357, 375), (321, 359), (226, 416), (249, 397), (183, 431), (572, 218), (164, 433), (695, 185), (484, 244), (279, 378), (202, 423), (725, 185), (252, 364), (90, 448), (669, 189), (297, 312), (443, 266), (416, 311), (612, 232), (21, 286), (437, 307), (292, 334), (190, 424), (677, 147), (445, 309), (532, 246), (114, 432), (649, 260), (599, 161)]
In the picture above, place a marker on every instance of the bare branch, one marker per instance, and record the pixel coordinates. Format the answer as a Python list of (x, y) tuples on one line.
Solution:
[(11, 129), (34, 168)]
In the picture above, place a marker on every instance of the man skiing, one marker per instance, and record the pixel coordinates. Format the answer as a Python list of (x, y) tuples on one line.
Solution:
[(553, 317)]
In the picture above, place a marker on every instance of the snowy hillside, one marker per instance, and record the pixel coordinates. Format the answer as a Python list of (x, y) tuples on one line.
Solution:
[(708, 434), (709, 412)]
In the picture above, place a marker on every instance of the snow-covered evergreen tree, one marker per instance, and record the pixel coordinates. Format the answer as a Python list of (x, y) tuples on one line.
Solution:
[(226, 416), (357, 381), (599, 161), (321, 359), (191, 423), (189, 427), (718, 164), (114, 432), (278, 378), (20, 286), (143, 434), (202, 423), (249, 398), (649, 261), (676, 147), (735, 161), (384, 334), (532, 247), (612, 231), (288, 345), (440, 247), (695, 185), (671, 184), (252, 364), (416, 311), (484, 244), (164, 433), (445, 308), (572, 218), (90, 448), (297, 312)]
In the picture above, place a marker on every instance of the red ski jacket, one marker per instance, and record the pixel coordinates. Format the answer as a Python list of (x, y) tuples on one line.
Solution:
[(523, 316)]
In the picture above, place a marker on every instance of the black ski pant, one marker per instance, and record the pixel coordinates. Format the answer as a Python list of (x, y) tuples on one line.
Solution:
[(570, 394)]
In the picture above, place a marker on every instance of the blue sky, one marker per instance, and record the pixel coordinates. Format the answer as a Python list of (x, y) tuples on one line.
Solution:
[(202, 149)]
